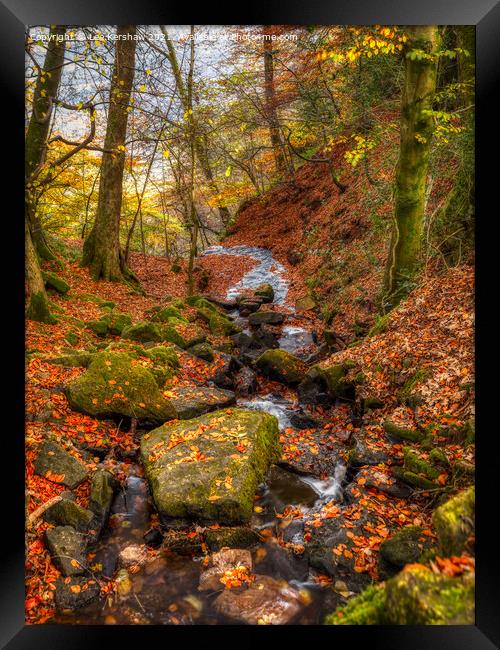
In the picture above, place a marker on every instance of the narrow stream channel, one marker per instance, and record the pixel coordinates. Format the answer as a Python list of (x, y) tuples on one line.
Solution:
[(165, 591)]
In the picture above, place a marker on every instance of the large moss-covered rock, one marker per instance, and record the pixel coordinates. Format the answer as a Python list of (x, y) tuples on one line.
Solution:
[(208, 468), (58, 465), (113, 385), (281, 366), (418, 596), (53, 281), (193, 401), (454, 522), (415, 596), (143, 331)]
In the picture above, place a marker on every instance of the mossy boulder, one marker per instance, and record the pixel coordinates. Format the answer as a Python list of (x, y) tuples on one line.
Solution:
[(99, 327), (72, 338), (222, 326), (418, 596), (202, 351), (415, 463), (266, 318), (111, 323), (163, 354), (415, 480), (404, 547), (282, 366), (454, 522), (113, 385), (368, 608), (266, 291), (415, 596), (208, 468), (402, 433), (163, 315), (182, 333), (53, 281), (326, 383), (143, 331), (67, 512), (193, 401)]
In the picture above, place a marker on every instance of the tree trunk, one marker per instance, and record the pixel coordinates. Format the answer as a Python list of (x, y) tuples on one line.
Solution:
[(46, 89), (37, 304), (201, 151), (270, 108), (411, 174), (101, 250)]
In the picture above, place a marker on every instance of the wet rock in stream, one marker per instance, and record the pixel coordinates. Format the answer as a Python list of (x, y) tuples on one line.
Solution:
[(236, 446), (75, 592), (265, 601), (67, 549), (193, 401)]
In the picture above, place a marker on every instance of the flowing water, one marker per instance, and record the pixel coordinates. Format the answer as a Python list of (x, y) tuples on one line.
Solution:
[(165, 591)]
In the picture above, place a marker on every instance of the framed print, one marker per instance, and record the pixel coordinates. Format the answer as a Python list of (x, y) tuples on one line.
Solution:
[(249, 317)]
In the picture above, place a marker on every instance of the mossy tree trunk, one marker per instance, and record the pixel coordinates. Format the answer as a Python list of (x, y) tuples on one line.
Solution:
[(201, 148), (101, 249), (37, 303), (417, 126), (46, 89), (456, 217), (271, 113)]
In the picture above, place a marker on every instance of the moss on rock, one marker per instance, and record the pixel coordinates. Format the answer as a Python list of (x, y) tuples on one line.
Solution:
[(182, 333), (404, 547), (418, 596), (163, 354), (143, 331), (454, 522), (368, 608), (114, 385), (208, 468), (402, 433), (413, 462), (53, 281)]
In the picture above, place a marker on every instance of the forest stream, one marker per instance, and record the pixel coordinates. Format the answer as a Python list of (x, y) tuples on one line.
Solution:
[(165, 591)]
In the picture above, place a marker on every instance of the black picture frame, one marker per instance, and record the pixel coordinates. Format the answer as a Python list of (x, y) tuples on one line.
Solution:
[(14, 15)]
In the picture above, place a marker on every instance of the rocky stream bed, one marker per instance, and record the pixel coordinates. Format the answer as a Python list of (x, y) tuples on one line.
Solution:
[(214, 524)]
